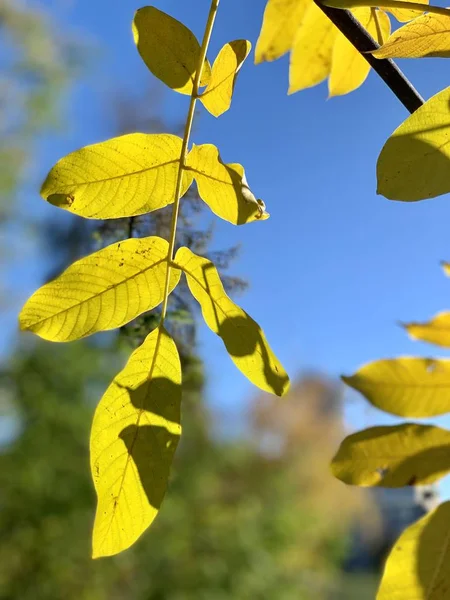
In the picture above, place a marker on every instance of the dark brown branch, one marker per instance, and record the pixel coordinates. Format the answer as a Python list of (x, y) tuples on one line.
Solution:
[(386, 68)]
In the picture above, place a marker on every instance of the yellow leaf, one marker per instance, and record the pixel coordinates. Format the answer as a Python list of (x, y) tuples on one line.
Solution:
[(427, 35), (406, 14), (310, 61), (102, 291), (280, 23), (407, 387), (217, 96), (415, 161), (349, 69), (417, 566), (223, 186), (134, 436), (124, 176), (393, 456), (244, 340), (169, 49), (436, 331)]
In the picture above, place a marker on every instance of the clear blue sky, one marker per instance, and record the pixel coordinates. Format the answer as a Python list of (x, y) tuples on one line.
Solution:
[(336, 266)]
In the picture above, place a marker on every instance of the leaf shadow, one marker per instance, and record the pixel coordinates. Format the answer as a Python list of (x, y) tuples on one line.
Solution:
[(428, 170), (242, 336), (152, 446), (414, 469), (433, 559)]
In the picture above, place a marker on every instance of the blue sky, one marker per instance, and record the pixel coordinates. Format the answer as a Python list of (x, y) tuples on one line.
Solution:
[(336, 266)]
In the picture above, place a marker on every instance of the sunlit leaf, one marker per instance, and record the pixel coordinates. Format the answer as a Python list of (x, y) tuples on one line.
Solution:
[(414, 163), (310, 61), (124, 176), (243, 338), (436, 331), (169, 49), (428, 35), (349, 69), (408, 387), (406, 14), (102, 291), (134, 436), (393, 456), (217, 96), (280, 23), (222, 186), (417, 566)]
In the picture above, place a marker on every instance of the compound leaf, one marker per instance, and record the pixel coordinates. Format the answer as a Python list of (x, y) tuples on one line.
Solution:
[(428, 35), (415, 161), (217, 96), (134, 436), (169, 49), (102, 291), (280, 23), (417, 566), (407, 387), (223, 186), (393, 456), (124, 176), (349, 69), (310, 61), (244, 340)]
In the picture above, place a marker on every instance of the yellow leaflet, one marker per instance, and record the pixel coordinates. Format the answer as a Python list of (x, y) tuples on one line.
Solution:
[(124, 176), (414, 163), (280, 23), (417, 567), (169, 49), (310, 61), (428, 35), (349, 69), (244, 340), (102, 291), (223, 186), (407, 387), (406, 14), (217, 96), (134, 436), (393, 456), (436, 331)]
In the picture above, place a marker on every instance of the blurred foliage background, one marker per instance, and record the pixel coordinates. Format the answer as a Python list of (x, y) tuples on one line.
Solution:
[(252, 514)]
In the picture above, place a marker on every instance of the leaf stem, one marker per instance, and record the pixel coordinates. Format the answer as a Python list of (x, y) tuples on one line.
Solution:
[(184, 149), (373, 12), (364, 43)]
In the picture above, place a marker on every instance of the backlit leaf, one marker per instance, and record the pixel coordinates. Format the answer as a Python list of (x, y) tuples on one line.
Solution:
[(217, 96), (436, 331), (124, 176), (349, 69), (134, 436), (244, 340), (280, 23), (310, 61), (393, 456), (406, 14), (222, 186), (169, 49), (102, 291), (428, 35), (417, 566), (408, 387), (414, 163)]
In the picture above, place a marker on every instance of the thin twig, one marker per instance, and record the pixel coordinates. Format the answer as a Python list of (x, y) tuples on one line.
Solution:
[(364, 43)]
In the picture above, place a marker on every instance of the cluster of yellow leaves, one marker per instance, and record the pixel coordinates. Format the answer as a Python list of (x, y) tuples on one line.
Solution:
[(137, 423), (317, 48), (407, 454)]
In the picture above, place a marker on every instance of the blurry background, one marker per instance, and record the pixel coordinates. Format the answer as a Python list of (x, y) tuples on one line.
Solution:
[(251, 511)]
